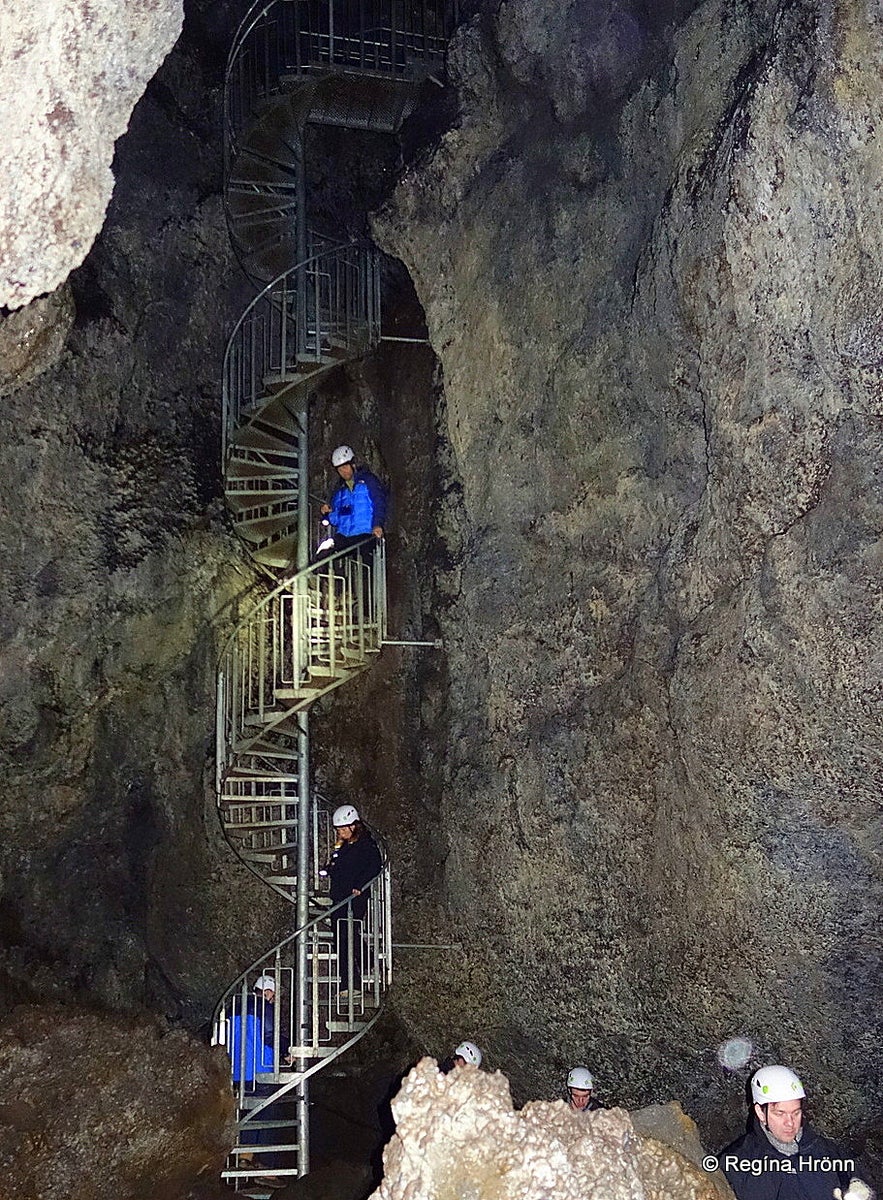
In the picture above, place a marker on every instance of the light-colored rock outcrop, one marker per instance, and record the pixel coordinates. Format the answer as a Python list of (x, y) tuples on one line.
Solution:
[(458, 1135), (72, 72)]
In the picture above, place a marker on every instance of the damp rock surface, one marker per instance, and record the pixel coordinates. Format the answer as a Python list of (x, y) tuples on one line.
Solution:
[(650, 763), (120, 582), (73, 72), (97, 1106)]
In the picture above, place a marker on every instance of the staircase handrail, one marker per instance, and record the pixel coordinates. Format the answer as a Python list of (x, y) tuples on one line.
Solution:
[(432, 50), (354, 244), (299, 933), (287, 585), (254, 687), (293, 344)]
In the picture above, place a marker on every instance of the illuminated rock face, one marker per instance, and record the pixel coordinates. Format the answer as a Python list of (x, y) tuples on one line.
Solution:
[(72, 72), (652, 769), (457, 1135)]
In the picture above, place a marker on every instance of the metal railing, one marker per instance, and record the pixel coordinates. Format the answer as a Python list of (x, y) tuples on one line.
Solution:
[(359, 65), (260, 819), (311, 633), (321, 311), (274, 1048), (285, 40)]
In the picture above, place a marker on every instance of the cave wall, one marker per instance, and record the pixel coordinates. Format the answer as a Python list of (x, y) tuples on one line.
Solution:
[(73, 71), (650, 761), (634, 799), (120, 582)]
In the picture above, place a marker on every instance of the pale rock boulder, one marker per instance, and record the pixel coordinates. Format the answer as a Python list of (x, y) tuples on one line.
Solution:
[(73, 71), (458, 1135)]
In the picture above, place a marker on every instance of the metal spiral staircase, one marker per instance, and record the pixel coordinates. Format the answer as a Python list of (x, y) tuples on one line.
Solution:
[(359, 65)]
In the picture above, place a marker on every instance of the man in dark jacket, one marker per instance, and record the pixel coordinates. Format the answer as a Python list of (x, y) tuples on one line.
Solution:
[(358, 506), (782, 1157), (580, 1086)]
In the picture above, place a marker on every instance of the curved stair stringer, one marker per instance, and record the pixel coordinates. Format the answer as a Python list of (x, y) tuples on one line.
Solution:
[(358, 65), (298, 1050), (317, 629)]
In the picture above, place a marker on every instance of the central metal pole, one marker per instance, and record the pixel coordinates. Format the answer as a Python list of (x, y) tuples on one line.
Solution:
[(302, 245), (302, 991), (304, 807)]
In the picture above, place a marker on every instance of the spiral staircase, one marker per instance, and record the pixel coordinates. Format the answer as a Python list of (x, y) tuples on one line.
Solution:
[(358, 65)]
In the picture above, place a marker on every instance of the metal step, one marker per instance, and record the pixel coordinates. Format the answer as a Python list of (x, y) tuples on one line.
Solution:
[(243, 500), (235, 827), (250, 437), (261, 529), (248, 471), (280, 556)]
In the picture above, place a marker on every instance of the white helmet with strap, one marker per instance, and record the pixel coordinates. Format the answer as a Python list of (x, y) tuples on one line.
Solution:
[(343, 454), (345, 815), (469, 1052), (581, 1078), (772, 1085)]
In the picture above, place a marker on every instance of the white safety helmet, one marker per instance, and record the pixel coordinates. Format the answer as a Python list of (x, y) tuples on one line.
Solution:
[(581, 1078), (345, 815), (343, 454), (265, 983), (771, 1085), (469, 1052)]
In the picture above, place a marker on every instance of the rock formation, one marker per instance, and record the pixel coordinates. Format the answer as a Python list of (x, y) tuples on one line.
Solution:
[(96, 1106), (635, 801), (73, 71), (651, 765), (458, 1135)]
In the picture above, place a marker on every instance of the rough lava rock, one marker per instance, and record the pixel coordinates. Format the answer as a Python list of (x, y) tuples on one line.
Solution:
[(72, 70), (32, 338), (105, 1107), (651, 764), (458, 1135)]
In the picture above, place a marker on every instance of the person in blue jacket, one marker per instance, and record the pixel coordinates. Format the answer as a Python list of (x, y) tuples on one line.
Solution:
[(358, 506), (784, 1158), (251, 1054), (257, 1021)]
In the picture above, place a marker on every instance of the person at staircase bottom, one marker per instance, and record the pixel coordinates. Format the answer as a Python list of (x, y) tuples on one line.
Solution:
[(782, 1157), (353, 865), (358, 505), (580, 1089), (255, 1027), (466, 1054)]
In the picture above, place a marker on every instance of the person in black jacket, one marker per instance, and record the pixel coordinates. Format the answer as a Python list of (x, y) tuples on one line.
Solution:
[(354, 864), (580, 1086), (782, 1157)]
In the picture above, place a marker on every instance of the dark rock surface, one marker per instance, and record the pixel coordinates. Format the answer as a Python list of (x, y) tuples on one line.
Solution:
[(635, 802), (119, 581), (96, 1106), (649, 769)]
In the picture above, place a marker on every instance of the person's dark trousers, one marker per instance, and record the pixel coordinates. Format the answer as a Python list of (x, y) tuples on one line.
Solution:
[(266, 1137), (359, 907)]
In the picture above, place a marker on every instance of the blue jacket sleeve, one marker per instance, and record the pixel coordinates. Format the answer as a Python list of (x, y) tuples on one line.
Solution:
[(334, 515)]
